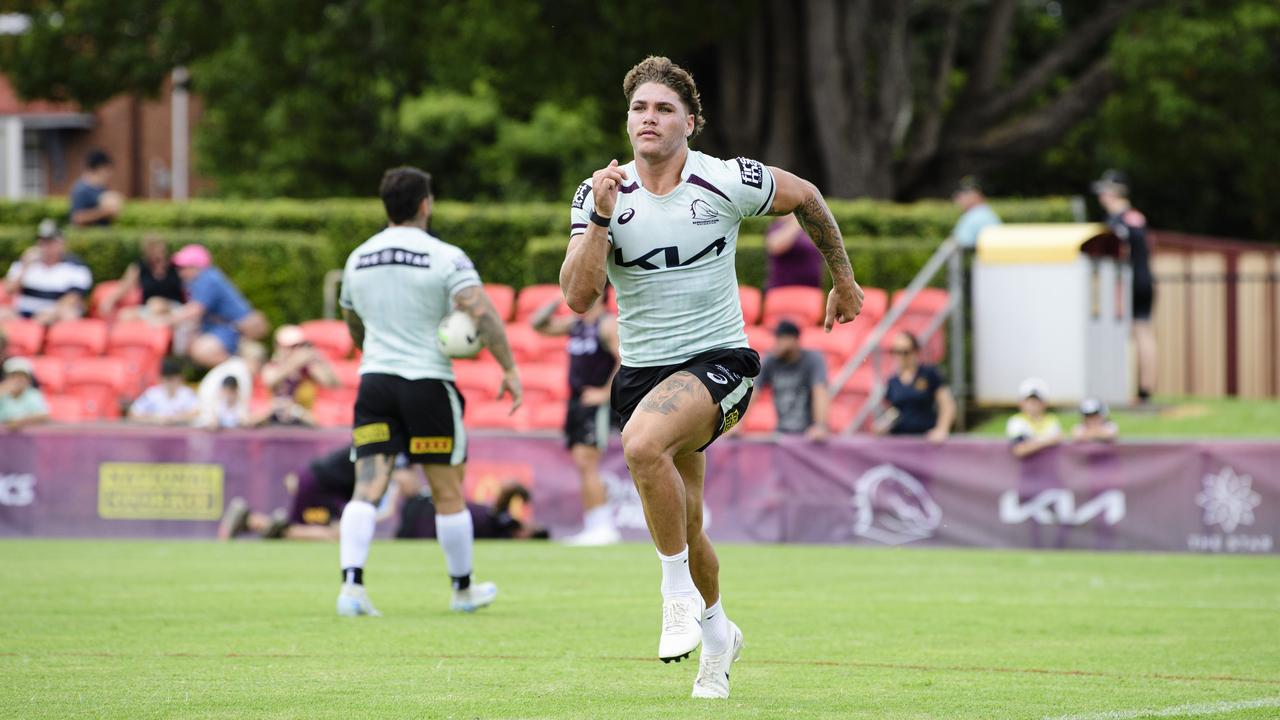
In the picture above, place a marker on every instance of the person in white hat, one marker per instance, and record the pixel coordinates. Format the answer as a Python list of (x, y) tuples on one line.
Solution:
[(21, 404), (1034, 428), (1095, 423), (292, 376)]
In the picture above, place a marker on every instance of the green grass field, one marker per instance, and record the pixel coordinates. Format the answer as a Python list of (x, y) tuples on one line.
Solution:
[(111, 629), (1178, 418)]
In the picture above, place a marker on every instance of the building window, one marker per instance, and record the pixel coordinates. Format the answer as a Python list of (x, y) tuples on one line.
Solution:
[(33, 181)]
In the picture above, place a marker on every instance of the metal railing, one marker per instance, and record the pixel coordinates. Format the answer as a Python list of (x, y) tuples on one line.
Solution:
[(949, 254)]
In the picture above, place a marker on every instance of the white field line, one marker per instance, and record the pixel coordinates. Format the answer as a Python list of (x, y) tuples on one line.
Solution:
[(1213, 708)]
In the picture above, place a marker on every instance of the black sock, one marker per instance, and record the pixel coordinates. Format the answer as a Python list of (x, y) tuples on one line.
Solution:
[(353, 575), (462, 582)]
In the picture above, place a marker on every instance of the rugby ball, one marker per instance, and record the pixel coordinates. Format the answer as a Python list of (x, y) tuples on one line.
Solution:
[(457, 335)]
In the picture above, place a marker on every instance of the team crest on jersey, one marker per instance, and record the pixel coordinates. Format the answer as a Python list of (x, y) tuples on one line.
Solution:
[(580, 197), (752, 172), (703, 213)]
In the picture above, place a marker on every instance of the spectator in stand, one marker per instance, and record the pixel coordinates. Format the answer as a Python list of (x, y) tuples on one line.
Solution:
[(215, 307), (292, 377), (1034, 428), (792, 257), (91, 202), (155, 273), (1131, 227), (799, 381), (921, 399), (171, 402), (977, 216), (226, 404), (49, 283), (1095, 423), (21, 404)]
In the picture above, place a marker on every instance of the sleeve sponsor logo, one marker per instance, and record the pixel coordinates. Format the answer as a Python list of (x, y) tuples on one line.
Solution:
[(580, 197), (393, 256), (430, 445), (159, 491), (752, 172), (463, 263), (372, 433)]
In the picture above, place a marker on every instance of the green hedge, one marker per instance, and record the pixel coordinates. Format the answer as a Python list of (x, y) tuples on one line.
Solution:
[(495, 235), (888, 263), (280, 273)]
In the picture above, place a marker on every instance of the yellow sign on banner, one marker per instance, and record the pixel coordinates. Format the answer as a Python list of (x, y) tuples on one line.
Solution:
[(159, 491)]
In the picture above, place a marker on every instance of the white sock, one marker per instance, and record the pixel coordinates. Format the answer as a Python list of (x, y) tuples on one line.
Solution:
[(456, 537), (597, 517), (355, 532), (676, 579), (715, 629)]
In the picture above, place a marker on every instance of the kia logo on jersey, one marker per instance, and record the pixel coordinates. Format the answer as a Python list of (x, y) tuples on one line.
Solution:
[(626, 216)]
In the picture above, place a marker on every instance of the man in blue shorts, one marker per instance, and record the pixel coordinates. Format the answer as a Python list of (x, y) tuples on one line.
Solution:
[(215, 307)]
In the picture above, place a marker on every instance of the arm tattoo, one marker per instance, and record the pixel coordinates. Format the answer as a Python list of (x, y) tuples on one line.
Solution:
[(668, 396), (475, 303), (820, 225)]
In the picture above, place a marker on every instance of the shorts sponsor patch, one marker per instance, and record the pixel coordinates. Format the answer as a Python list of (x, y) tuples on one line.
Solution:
[(580, 197), (752, 172), (730, 419), (372, 433), (430, 445), (316, 516)]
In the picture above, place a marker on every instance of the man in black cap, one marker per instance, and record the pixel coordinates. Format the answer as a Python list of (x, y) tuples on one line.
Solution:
[(798, 378), (49, 283), (1130, 226)]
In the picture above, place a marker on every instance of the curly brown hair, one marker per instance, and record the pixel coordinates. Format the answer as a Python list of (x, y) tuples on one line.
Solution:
[(664, 72)]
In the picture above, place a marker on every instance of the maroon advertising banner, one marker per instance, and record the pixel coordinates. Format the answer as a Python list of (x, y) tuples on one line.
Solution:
[(1209, 496)]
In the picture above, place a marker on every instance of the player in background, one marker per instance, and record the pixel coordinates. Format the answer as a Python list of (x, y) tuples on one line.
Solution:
[(593, 359), (396, 288), (663, 229), (1130, 226)]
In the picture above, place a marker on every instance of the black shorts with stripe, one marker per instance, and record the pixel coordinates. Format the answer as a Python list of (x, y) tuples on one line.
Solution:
[(421, 418), (727, 374), (588, 424)]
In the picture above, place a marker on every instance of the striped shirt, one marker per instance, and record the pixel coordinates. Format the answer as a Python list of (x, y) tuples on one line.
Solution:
[(43, 285)]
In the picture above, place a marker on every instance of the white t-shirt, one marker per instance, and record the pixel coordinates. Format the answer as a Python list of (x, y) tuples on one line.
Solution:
[(672, 257), (157, 401), (401, 283), (43, 285), (210, 390)]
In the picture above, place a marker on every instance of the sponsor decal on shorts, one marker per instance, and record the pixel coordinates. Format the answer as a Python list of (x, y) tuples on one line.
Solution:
[(316, 516), (718, 378), (731, 418), (430, 445), (371, 433), (159, 491)]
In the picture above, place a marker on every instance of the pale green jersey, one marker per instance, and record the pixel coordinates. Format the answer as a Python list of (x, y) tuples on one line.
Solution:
[(671, 259), (401, 283)]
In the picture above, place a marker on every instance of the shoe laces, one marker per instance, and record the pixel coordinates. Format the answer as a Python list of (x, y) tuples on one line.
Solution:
[(675, 616)]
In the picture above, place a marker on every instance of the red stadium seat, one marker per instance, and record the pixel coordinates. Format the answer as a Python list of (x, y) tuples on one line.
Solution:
[(841, 413), (348, 372), (801, 304), (760, 339), (875, 303), (331, 413), (544, 383), (103, 289), (26, 337), (493, 415), (330, 337), (547, 416), (928, 302), (503, 298), (532, 297), (76, 339), (861, 382), (100, 382), (153, 339), (477, 381), (526, 343), (836, 346), (66, 408), (761, 417), (751, 300), (51, 374)]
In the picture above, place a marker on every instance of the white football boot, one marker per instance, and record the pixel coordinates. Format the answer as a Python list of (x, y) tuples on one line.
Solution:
[(353, 601), (681, 626), (475, 597), (594, 537), (713, 670)]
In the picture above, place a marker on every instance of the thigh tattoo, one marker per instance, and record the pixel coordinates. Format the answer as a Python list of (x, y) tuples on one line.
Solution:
[(670, 393)]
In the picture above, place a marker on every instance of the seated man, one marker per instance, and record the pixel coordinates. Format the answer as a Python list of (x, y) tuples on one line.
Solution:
[(215, 307), (799, 381), (169, 403), (292, 377), (1095, 423), (1035, 428), (49, 283), (91, 202), (21, 404)]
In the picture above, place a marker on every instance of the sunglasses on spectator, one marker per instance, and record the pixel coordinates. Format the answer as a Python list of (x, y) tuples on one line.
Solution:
[(901, 351)]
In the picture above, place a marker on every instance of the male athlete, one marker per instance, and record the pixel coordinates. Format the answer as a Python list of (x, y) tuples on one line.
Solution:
[(396, 288), (593, 359), (664, 228)]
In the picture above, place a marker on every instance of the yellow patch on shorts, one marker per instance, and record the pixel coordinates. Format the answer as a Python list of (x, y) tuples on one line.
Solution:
[(369, 434), (731, 419), (430, 445), (316, 516)]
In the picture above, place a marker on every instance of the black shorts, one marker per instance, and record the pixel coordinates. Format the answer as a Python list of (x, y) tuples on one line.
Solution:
[(588, 424), (421, 418), (1144, 297), (727, 374)]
